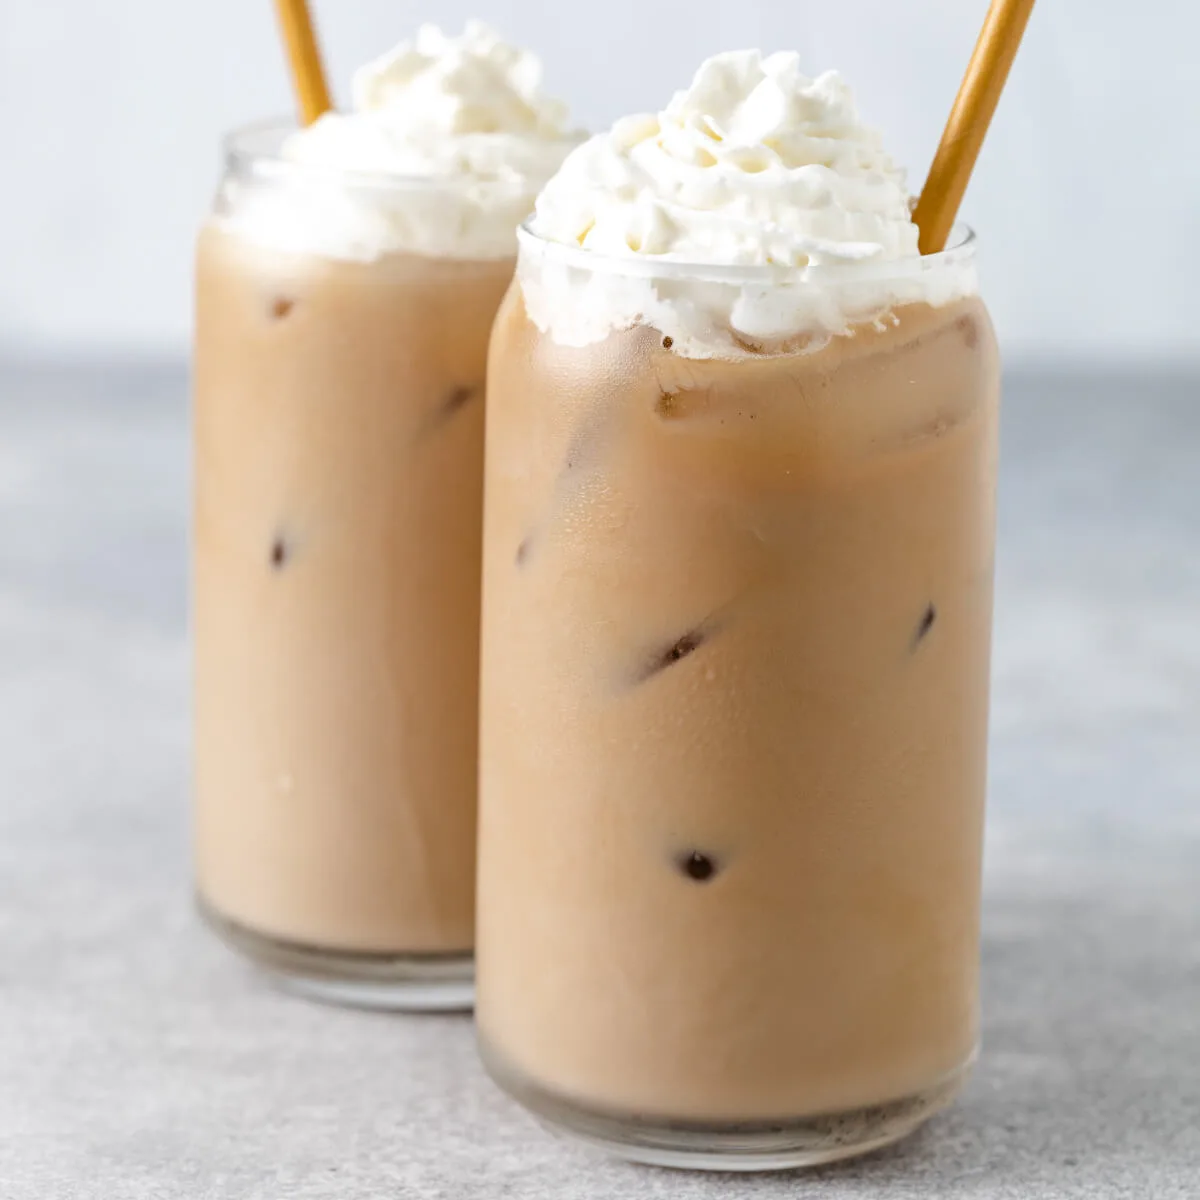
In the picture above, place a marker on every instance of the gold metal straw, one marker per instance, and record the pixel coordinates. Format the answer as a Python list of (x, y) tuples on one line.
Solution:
[(969, 120), (304, 59)]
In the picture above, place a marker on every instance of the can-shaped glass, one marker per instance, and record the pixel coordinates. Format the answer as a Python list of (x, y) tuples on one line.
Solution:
[(338, 421), (736, 638)]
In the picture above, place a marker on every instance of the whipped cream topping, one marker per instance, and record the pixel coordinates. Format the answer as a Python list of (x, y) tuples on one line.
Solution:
[(448, 143), (755, 165)]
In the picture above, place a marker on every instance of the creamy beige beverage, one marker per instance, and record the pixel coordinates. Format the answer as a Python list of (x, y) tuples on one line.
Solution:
[(736, 625), (346, 286), (339, 451)]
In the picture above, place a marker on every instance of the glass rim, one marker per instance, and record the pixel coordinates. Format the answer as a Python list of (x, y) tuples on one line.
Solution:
[(254, 149), (959, 251)]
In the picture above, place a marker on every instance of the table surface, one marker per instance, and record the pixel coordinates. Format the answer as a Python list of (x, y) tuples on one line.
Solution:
[(140, 1059)]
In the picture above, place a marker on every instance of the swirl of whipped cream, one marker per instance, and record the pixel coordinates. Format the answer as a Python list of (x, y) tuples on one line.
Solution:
[(754, 165), (462, 126)]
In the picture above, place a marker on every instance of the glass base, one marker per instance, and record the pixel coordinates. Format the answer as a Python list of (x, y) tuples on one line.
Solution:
[(355, 979), (728, 1146)]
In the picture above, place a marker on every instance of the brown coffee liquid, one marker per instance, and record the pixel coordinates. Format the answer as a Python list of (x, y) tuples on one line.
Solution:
[(734, 705), (339, 442)]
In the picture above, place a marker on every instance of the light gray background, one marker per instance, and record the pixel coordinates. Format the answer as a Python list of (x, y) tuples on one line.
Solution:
[(1087, 197), (141, 1061)]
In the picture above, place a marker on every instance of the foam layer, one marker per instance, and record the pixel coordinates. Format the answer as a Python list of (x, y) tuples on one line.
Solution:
[(449, 140), (755, 166)]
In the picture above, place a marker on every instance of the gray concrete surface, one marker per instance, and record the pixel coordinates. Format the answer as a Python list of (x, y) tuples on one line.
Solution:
[(139, 1060)]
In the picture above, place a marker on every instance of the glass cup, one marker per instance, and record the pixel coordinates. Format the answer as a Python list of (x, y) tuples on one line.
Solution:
[(736, 640), (338, 417)]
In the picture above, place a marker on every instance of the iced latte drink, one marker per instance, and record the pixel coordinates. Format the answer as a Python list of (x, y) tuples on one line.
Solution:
[(737, 603), (346, 286)]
